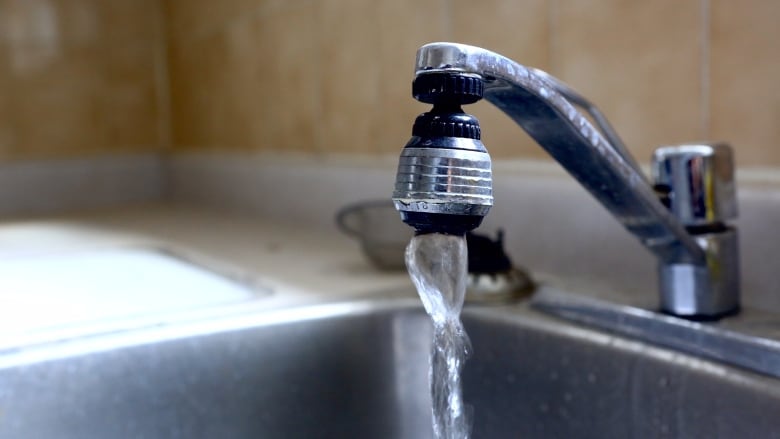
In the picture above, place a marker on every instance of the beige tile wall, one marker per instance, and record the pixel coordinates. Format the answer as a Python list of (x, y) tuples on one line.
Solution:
[(640, 61), (333, 75), (321, 76), (80, 77), (745, 78)]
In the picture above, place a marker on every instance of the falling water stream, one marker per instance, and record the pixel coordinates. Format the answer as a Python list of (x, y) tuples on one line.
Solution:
[(438, 266)]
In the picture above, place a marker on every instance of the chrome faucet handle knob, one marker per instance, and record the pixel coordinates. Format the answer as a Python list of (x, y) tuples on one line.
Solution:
[(697, 183), (698, 179)]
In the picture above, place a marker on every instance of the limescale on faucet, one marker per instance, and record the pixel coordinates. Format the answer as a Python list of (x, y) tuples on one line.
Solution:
[(438, 266)]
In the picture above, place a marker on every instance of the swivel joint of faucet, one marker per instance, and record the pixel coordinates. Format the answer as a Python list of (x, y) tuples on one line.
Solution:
[(444, 180)]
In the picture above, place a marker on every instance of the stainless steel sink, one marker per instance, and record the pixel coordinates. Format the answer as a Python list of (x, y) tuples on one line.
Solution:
[(359, 370)]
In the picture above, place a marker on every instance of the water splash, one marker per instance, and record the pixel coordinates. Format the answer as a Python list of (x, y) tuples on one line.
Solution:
[(438, 266)]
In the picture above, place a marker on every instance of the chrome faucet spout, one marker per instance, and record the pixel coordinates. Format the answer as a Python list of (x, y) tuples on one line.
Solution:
[(535, 104), (545, 108)]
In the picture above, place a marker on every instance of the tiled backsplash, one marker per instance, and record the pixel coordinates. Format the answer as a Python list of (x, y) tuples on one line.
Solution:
[(324, 76), (321, 76), (81, 77)]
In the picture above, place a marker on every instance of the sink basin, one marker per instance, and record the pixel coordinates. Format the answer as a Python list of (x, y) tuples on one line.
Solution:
[(358, 369)]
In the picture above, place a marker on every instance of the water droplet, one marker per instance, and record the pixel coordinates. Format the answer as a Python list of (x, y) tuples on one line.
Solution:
[(553, 376), (663, 382), (544, 408), (591, 377), (567, 397), (511, 378)]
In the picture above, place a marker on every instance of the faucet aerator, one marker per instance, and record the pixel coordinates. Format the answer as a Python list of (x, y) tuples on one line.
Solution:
[(444, 179)]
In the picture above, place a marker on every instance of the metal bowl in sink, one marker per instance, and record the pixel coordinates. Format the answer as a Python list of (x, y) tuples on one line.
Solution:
[(375, 224), (359, 370)]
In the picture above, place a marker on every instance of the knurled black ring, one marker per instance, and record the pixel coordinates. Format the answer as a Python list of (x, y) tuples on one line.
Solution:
[(447, 125), (454, 88)]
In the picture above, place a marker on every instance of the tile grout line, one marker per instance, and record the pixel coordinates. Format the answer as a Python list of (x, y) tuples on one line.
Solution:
[(705, 69), (552, 40), (318, 131), (163, 81), (164, 100), (447, 17)]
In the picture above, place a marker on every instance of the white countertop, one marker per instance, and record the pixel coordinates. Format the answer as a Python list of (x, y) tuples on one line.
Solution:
[(280, 263), (304, 259)]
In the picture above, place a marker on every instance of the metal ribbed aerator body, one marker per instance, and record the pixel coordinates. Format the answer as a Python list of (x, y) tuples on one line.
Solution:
[(444, 180)]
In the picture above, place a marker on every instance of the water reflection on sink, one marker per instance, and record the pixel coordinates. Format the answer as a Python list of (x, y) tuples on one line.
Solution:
[(359, 370)]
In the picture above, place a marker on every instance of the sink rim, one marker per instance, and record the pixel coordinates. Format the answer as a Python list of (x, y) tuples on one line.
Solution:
[(188, 323), (264, 313)]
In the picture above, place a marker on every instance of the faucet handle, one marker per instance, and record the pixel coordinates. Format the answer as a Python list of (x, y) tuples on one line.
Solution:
[(699, 178)]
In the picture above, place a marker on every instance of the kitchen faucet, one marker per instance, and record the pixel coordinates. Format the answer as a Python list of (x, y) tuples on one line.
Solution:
[(444, 178)]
